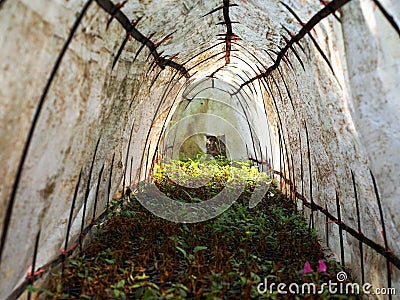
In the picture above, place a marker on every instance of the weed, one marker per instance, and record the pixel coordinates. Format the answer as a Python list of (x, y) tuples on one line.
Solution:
[(137, 255)]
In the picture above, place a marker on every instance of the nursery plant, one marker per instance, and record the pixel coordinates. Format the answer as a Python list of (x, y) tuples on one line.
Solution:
[(137, 255)]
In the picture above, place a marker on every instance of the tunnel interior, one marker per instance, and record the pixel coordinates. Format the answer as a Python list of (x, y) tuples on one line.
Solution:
[(93, 93)]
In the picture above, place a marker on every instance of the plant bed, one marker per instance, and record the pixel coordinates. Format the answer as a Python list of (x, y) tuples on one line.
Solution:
[(137, 255)]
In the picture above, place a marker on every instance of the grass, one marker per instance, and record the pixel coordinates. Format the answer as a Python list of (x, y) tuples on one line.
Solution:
[(137, 255)]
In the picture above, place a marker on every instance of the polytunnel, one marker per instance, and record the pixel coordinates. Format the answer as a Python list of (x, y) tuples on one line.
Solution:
[(90, 90)]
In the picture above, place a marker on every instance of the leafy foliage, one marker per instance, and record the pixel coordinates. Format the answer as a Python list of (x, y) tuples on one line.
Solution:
[(140, 256)]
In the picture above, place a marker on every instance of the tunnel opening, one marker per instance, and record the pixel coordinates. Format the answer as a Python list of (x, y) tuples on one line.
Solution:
[(310, 90), (212, 107), (216, 145)]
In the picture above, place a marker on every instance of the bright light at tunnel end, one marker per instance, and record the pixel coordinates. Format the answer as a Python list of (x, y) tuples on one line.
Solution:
[(149, 195), (158, 203)]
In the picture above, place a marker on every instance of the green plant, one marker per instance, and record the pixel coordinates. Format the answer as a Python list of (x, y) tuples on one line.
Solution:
[(137, 255), (116, 290)]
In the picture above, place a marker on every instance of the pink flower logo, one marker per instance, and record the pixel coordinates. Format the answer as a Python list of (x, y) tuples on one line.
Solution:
[(322, 266), (307, 268)]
